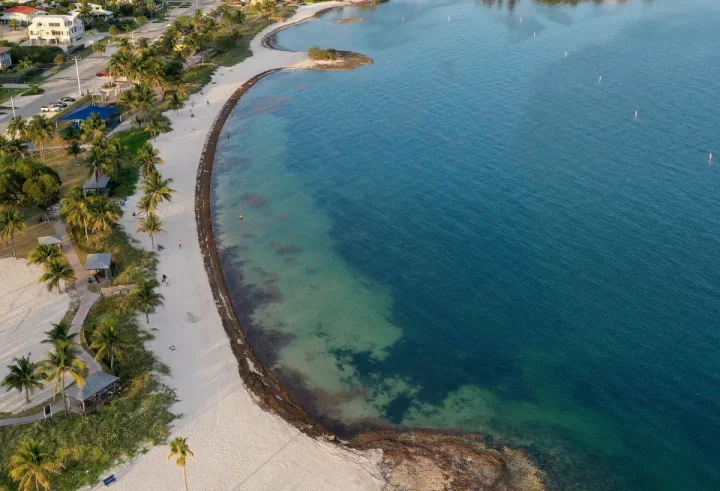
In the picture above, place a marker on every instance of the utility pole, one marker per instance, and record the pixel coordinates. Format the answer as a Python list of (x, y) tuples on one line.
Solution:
[(77, 71), (12, 103)]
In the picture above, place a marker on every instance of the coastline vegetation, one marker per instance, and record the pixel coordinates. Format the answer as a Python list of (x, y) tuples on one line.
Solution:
[(317, 53)]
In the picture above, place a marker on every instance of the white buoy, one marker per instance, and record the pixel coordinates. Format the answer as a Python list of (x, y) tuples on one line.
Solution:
[(636, 114), (520, 20), (403, 19), (566, 54), (448, 18), (600, 79), (534, 33), (710, 159)]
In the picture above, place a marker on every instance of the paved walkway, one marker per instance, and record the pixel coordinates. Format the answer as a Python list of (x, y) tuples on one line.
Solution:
[(87, 300)]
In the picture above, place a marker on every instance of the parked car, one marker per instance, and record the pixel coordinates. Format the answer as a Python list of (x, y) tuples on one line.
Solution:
[(67, 99), (59, 103), (102, 74), (50, 109)]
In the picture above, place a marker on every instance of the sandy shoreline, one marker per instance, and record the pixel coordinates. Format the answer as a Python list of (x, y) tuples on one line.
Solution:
[(238, 445)]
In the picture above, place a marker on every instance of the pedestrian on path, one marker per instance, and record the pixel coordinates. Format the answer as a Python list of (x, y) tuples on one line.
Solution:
[(179, 244)]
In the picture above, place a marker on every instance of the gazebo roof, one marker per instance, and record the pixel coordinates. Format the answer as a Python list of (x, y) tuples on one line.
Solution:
[(101, 183), (50, 240), (93, 384), (97, 261)]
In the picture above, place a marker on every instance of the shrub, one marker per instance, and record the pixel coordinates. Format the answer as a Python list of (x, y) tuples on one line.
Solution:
[(322, 54)]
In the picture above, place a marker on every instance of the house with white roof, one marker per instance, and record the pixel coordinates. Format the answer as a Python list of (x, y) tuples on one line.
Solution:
[(56, 30), (96, 11), (23, 14)]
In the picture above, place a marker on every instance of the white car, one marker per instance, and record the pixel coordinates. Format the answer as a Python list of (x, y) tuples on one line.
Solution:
[(50, 109)]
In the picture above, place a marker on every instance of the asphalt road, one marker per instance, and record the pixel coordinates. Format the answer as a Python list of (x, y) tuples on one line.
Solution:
[(65, 83)]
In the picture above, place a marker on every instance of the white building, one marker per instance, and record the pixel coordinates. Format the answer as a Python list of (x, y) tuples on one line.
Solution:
[(22, 14), (5, 60), (56, 29), (95, 11)]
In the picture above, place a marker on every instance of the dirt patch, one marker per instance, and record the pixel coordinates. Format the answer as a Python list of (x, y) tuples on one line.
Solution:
[(348, 20)]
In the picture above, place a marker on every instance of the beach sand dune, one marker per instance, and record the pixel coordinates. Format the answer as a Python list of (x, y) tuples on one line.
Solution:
[(237, 445)]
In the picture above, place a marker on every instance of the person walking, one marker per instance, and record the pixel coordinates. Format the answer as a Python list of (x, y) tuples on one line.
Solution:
[(179, 244)]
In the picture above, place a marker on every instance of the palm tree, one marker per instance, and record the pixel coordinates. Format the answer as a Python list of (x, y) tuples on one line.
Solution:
[(156, 124), (103, 213), (11, 222), (139, 98), (180, 450), (74, 149), (99, 48), (23, 375), (43, 253), (109, 340), (12, 147), (151, 225), (18, 127), (60, 333), (144, 299), (61, 362), (147, 158), (97, 161), (40, 130), (176, 102), (74, 209), (93, 128), (32, 466), (156, 190), (56, 271)]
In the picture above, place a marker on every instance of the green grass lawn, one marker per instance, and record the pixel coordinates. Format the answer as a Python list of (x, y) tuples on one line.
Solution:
[(6, 93)]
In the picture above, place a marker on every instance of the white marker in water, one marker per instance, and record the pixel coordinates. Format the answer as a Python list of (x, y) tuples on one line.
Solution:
[(710, 159), (534, 33), (566, 54), (520, 20), (636, 115), (600, 79)]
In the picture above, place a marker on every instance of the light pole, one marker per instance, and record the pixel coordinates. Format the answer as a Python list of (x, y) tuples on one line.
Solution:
[(77, 71), (12, 103)]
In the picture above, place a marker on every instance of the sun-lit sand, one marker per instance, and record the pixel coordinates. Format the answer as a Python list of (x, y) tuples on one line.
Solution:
[(236, 444), (26, 310)]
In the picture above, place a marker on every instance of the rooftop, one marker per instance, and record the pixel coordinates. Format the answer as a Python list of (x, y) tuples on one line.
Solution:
[(50, 240), (21, 10), (93, 384), (101, 183), (98, 261), (4, 49)]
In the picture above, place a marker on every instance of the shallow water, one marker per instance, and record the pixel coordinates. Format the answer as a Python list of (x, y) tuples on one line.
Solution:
[(476, 232)]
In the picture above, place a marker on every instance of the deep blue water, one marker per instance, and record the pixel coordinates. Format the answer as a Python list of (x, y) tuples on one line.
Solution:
[(476, 232)]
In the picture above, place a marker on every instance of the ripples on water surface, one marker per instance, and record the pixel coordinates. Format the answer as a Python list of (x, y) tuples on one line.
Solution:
[(475, 232)]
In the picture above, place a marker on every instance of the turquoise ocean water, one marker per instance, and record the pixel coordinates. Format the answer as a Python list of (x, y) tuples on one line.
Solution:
[(476, 232)]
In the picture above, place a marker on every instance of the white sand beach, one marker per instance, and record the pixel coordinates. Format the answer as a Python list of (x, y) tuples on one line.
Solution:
[(26, 310), (237, 445)]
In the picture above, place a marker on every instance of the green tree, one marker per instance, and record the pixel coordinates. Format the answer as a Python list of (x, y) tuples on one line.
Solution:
[(14, 24), (32, 465), (99, 48), (109, 341), (113, 31), (147, 158), (63, 362), (93, 128), (103, 215), (60, 333), (155, 124), (180, 451), (59, 59), (156, 190), (151, 225), (176, 102), (145, 299), (23, 376), (141, 20), (74, 210), (43, 191), (98, 160), (55, 272), (44, 253), (11, 222), (75, 149), (18, 128), (40, 130)]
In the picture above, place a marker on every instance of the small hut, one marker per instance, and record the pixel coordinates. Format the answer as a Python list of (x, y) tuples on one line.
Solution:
[(99, 387), (50, 240), (99, 186), (101, 261)]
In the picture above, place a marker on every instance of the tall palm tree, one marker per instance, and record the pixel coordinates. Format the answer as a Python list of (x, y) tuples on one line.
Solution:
[(75, 210), (144, 299), (103, 214), (151, 225), (43, 253), (156, 190), (156, 124), (23, 375), (11, 222), (60, 333), (148, 157), (176, 102), (97, 160), (32, 465), (93, 127), (180, 451), (18, 127), (11, 147), (40, 130), (74, 149), (63, 362), (55, 272), (110, 341)]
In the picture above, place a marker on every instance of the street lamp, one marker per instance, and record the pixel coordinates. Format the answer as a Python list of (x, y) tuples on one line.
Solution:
[(77, 71)]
